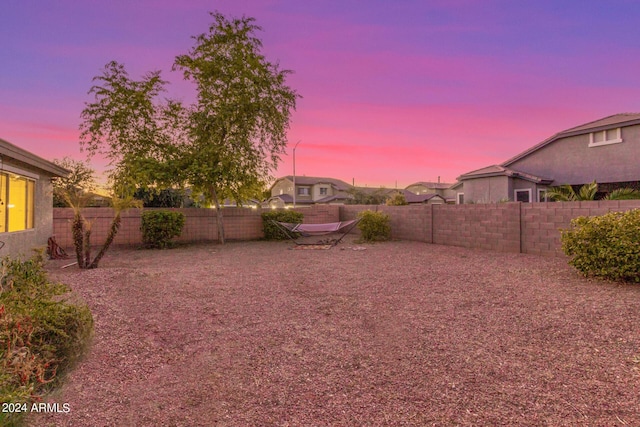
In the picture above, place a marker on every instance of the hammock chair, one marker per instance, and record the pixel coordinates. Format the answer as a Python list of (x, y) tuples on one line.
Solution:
[(294, 231)]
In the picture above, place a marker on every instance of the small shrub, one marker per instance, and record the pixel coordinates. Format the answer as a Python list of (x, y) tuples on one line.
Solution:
[(606, 246), (159, 227), (271, 231), (41, 335), (374, 226), (398, 199)]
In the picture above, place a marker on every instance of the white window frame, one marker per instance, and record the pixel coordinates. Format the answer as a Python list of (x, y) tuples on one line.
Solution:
[(303, 191), (458, 198), (616, 140), (523, 190), (541, 195), (324, 191)]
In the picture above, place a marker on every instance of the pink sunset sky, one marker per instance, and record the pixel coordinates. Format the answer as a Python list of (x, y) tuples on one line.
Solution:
[(393, 92)]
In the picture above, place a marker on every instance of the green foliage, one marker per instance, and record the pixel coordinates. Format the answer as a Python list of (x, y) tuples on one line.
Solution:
[(79, 183), (397, 199), (159, 227), (606, 246), (623, 194), (41, 334), (225, 145), (375, 226), (566, 193), (271, 231), (368, 196), (167, 198)]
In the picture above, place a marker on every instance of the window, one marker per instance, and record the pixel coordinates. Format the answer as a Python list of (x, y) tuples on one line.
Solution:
[(542, 195), (16, 203), (522, 196), (605, 137), (323, 191), (303, 191), (460, 198)]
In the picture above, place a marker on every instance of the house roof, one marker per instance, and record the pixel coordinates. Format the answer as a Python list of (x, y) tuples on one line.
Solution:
[(499, 170), (614, 121), (313, 180), (419, 198), (427, 184), (16, 153)]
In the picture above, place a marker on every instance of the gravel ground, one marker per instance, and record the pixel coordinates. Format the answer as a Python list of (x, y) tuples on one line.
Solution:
[(391, 334)]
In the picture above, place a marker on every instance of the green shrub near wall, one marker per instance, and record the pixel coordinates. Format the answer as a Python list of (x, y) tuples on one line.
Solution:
[(271, 231), (159, 227), (374, 226), (41, 335), (606, 246)]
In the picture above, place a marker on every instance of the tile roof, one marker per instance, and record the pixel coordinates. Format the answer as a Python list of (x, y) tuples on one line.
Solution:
[(614, 120), (427, 184), (312, 180), (9, 150), (499, 170)]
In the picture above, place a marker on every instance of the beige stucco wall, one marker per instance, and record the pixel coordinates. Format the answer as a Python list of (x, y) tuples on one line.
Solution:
[(571, 160), (284, 186), (22, 243)]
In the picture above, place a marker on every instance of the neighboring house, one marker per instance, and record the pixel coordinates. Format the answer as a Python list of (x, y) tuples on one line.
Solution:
[(442, 189), (605, 150), (309, 190), (26, 200), (425, 199)]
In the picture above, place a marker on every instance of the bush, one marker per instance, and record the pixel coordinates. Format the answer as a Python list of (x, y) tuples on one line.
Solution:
[(159, 227), (606, 246), (271, 231), (41, 335), (374, 226), (398, 199)]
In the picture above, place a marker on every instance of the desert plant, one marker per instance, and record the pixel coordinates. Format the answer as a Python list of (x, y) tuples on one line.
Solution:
[(566, 193), (271, 231), (605, 246), (398, 199), (41, 334), (81, 227), (159, 227), (374, 226)]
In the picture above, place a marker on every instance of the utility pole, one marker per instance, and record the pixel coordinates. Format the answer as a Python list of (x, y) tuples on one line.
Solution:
[(294, 172)]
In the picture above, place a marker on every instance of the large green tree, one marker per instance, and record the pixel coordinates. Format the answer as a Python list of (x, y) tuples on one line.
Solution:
[(238, 125), (224, 145)]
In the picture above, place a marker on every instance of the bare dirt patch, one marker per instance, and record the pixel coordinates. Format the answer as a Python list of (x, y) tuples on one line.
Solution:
[(399, 334)]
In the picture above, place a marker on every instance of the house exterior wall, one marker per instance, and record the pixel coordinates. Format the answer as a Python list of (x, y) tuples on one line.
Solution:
[(21, 243), (571, 161), (317, 188), (284, 186)]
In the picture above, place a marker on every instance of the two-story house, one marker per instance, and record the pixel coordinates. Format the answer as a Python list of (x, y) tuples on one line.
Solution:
[(309, 190), (605, 150)]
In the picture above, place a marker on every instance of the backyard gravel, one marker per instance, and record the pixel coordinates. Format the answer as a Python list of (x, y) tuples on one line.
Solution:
[(390, 334)]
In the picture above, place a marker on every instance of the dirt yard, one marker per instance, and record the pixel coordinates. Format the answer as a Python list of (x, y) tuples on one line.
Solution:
[(395, 334)]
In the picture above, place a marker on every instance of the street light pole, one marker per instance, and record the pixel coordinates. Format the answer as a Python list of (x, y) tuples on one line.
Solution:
[(294, 172)]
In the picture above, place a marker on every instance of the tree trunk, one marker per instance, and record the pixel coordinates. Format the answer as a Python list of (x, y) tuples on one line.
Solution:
[(78, 238), (86, 244), (219, 220), (115, 226)]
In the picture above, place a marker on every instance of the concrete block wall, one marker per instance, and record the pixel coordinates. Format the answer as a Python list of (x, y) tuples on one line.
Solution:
[(200, 224), (532, 228), (484, 226)]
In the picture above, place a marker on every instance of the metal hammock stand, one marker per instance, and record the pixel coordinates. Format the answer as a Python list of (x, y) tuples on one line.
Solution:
[(292, 230)]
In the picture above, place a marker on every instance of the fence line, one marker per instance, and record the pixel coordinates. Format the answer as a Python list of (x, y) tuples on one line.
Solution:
[(531, 228)]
